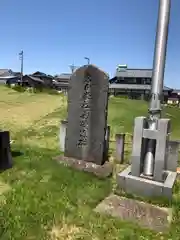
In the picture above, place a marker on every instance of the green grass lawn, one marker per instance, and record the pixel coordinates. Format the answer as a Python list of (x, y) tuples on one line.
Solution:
[(40, 199)]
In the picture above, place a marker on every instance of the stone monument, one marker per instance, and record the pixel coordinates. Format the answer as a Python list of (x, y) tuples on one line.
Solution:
[(151, 172), (6, 161), (87, 115)]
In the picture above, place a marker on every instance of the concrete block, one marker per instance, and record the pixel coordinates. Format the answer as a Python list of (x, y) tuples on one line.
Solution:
[(121, 177), (136, 168), (161, 145), (136, 159), (144, 214), (169, 184), (150, 134), (146, 187)]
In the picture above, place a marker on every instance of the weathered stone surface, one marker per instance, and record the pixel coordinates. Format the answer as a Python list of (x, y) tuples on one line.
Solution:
[(120, 141), (171, 163), (101, 171), (87, 114), (144, 214)]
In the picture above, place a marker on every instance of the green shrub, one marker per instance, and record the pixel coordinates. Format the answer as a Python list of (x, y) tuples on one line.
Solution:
[(50, 91), (19, 88)]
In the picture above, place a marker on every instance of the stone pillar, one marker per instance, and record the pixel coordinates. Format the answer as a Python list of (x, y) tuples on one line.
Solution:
[(62, 134), (5, 151), (161, 146), (138, 146), (106, 145), (87, 120), (142, 96), (120, 140), (171, 163)]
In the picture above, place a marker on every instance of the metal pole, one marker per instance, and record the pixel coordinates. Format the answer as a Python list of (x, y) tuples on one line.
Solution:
[(72, 68), (88, 60), (160, 56), (157, 79), (21, 55)]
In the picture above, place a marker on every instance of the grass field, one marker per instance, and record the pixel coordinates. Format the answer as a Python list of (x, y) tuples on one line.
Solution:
[(40, 199)]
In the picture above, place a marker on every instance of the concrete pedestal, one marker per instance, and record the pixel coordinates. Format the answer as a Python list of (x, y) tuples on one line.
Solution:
[(161, 182), (146, 187)]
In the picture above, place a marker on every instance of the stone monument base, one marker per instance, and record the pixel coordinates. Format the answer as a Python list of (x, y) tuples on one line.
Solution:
[(143, 214), (146, 187), (101, 171)]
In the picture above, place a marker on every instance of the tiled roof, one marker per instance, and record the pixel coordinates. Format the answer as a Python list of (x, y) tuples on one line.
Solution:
[(7, 77), (41, 74), (36, 79), (168, 89), (59, 83), (38, 73), (6, 72), (137, 73), (18, 74), (64, 76), (173, 98), (176, 91), (134, 87), (3, 70)]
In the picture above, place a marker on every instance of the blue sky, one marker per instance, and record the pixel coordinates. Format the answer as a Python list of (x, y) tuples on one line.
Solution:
[(57, 33)]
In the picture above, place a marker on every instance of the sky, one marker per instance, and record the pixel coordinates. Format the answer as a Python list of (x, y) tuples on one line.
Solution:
[(56, 33)]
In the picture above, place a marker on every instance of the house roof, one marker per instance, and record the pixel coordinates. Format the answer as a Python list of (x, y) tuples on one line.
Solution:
[(6, 73), (60, 84), (38, 73), (167, 88), (177, 91), (173, 98), (18, 74), (63, 76), (132, 72), (7, 77), (5, 70), (134, 87), (41, 74), (36, 79)]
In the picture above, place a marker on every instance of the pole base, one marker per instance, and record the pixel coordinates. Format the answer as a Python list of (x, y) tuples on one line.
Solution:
[(146, 187)]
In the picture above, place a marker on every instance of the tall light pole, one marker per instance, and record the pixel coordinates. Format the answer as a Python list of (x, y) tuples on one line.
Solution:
[(21, 57), (88, 60), (157, 79), (72, 67)]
